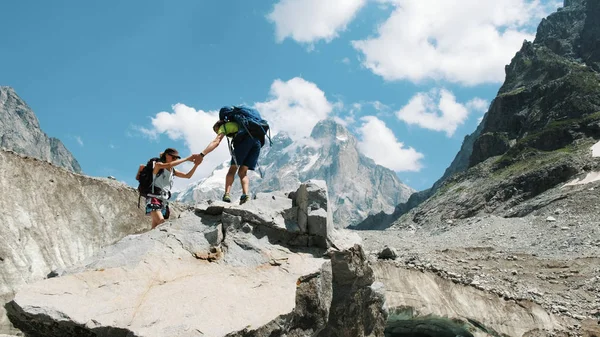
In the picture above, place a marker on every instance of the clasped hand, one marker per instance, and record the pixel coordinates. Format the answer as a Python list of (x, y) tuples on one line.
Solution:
[(196, 158)]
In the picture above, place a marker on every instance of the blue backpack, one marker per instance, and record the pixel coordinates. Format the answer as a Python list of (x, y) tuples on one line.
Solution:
[(249, 120)]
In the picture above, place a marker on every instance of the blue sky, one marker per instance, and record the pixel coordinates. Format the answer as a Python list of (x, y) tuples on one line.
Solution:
[(119, 81)]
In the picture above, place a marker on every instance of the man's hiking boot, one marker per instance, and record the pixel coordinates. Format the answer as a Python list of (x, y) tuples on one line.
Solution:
[(244, 198), (226, 197)]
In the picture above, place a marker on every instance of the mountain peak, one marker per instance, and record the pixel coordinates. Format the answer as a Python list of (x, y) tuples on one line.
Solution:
[(357, 186), (329, 128), (21, 132)]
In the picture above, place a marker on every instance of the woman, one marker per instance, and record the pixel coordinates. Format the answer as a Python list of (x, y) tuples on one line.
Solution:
[(162, 179)]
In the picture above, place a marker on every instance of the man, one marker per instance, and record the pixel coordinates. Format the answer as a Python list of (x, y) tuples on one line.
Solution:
[(244, 152)]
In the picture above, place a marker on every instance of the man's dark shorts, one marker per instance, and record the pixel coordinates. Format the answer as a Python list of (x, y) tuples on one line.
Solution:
[(246, 152)]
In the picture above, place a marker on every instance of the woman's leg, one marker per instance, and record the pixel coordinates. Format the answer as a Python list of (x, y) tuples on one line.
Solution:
[(157, 218)]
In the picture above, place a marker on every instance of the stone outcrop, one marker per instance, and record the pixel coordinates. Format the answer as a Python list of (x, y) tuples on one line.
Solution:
[(217, 270), (302, 218), (20, 132), (55, 218)]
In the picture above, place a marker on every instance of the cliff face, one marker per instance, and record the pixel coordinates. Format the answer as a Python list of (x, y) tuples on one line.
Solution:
[(551, 95), (538, 129), (20, 132), (52, 218)]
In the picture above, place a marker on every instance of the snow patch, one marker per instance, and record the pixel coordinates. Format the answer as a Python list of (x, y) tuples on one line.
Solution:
[(311, 161), (596, 150)]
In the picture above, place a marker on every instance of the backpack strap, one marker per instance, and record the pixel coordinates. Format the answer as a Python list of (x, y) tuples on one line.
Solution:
[(231, 152), (153, 177)]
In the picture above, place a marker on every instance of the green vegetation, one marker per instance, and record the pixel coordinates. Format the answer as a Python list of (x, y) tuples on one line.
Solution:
[(512, 92), (584, 80), (525, 147), (529, 160)]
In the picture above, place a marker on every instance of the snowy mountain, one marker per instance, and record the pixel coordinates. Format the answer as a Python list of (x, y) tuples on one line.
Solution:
[(357, 186)]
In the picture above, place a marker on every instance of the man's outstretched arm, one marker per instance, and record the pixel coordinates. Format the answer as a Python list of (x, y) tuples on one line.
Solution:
[(211, 146)]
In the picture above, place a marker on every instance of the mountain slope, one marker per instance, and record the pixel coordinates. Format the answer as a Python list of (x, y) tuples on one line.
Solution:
[(20, 132), (357, 186), (537, 132)]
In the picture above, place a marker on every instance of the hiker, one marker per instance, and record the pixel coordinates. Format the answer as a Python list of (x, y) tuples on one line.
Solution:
[(247, 130), (158, 187)]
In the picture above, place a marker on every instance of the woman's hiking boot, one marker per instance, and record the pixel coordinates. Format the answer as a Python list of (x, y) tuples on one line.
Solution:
[(244, 198), (226, 197)]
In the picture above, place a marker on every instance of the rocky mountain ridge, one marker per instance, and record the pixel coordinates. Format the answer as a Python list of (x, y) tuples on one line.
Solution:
[(20, 132), (358, 186), (538, 130)]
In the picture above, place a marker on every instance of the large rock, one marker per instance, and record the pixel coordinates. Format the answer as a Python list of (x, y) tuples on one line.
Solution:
[(159, 283), (305, 220), (20, 132), (338, 300), (314, 212), (56, 218), (357, 308)]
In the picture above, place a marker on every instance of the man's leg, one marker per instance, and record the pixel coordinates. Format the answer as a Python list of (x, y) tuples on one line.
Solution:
[(244, 179), (229, 178)]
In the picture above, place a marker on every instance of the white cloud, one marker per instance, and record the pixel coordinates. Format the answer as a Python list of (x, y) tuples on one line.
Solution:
[(467, 42), (307, 21), (478, 104), (295, 107), (436, 110), (346, 60), (79, 140), (194, 127), (379, 143)]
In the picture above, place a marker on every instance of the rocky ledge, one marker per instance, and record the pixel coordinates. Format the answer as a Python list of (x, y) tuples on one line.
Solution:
[(272, 267)]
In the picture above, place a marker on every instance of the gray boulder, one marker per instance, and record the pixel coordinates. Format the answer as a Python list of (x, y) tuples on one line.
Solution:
[(163, 283), (388, 253)]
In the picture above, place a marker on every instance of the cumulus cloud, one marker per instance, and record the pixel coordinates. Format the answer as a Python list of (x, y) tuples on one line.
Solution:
[(438, 110), (478, 104), (307, 21), (379, 143), (467, 43), (295, 107)]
